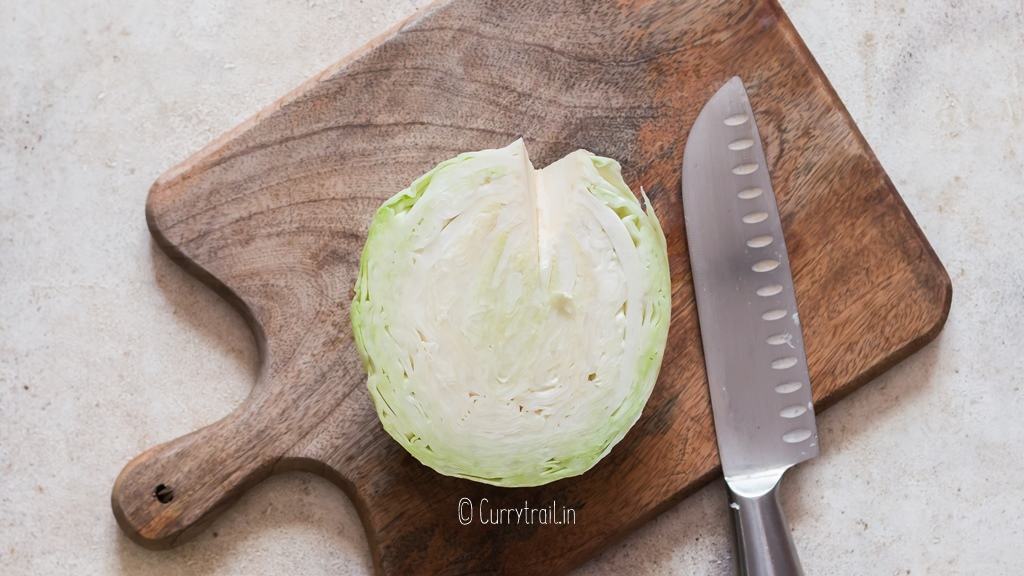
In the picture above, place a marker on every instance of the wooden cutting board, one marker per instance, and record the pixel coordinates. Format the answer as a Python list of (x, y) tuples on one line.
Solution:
[(273, 216)]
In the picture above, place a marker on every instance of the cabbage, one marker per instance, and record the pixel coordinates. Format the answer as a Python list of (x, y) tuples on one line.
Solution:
[(512, 321)]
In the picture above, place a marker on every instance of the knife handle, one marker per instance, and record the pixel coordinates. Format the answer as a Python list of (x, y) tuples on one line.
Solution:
[(763, 544)]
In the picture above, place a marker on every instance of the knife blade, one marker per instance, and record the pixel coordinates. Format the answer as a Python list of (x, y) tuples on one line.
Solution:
[(750, 328)]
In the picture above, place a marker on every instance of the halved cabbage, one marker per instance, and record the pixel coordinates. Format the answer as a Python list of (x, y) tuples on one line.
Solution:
[(512, 321)]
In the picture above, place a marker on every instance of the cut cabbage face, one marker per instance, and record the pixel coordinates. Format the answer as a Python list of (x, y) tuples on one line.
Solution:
[(512, 321)]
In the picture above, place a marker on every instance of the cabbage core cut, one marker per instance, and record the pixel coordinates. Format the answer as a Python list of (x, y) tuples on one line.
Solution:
[(512, 321)]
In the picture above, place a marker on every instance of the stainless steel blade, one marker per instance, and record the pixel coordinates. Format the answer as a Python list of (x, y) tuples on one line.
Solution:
[(753, 346)]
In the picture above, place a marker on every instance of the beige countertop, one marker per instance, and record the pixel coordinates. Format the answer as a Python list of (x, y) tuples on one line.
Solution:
[(107, 348)]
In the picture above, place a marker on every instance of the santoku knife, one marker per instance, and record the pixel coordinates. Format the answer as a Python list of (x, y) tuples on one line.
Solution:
[(753, 346)]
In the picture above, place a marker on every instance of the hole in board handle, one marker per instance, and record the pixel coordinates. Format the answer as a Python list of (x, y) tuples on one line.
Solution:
[(163, 493)]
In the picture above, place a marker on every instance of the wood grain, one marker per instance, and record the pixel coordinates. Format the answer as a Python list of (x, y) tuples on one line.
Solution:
[(273, 216)]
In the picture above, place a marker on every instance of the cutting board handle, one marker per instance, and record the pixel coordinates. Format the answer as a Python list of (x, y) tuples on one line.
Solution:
[(168, 492)]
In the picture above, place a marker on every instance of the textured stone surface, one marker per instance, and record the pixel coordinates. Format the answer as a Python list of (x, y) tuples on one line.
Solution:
[(920, 469)]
